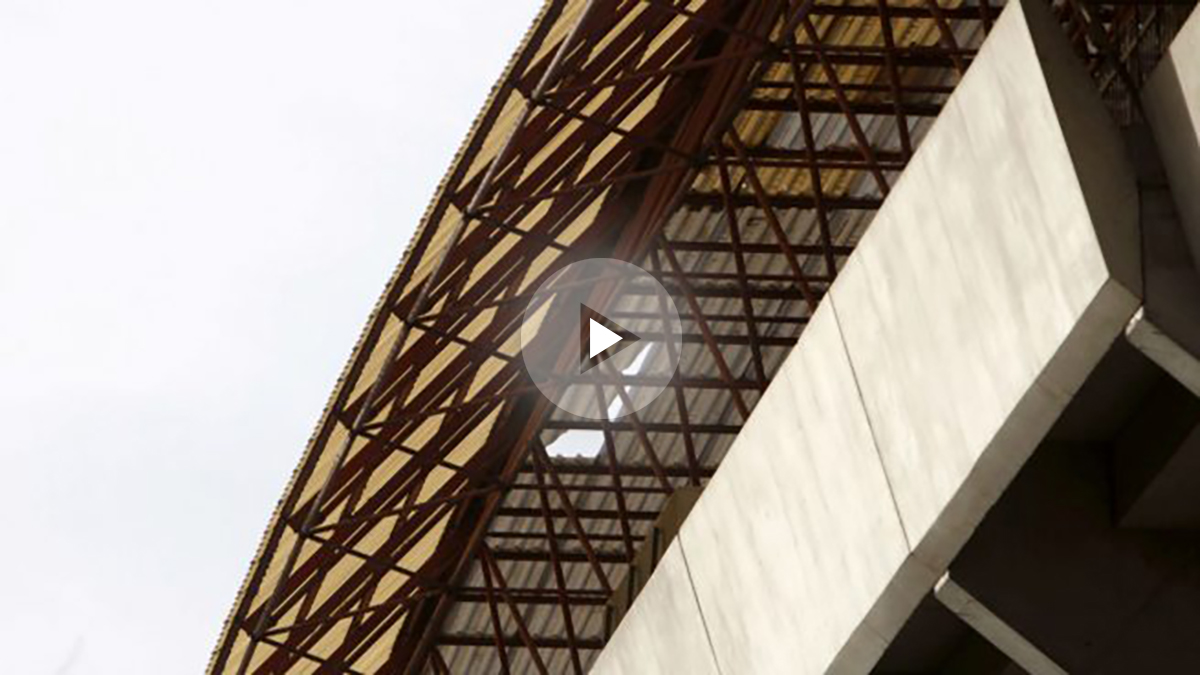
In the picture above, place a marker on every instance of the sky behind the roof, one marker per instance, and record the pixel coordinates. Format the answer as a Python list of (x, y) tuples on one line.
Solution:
[(199, 204)]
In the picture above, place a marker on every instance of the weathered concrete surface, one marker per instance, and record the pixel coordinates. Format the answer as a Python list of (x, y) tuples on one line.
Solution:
[(996, 275), (1172, 103), (998, 272), (663, 633), (796, 537)]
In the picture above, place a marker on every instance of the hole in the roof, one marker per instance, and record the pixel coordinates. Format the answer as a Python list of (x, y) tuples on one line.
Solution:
[(577, 443), (590, 442)]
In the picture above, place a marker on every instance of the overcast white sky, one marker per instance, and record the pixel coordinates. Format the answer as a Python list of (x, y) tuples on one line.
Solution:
[(199, 204)]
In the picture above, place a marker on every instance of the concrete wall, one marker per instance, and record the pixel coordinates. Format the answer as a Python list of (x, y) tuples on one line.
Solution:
[(1000, 269), (1172, 103)]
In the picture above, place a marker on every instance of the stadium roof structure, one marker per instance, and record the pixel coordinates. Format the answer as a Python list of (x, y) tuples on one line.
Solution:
[(735, 149)]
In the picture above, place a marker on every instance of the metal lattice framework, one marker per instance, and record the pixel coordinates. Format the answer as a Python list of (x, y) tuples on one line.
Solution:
[(735, 149)]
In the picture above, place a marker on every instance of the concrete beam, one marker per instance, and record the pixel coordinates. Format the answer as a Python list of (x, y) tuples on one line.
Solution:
[(796, 540), (1162, 349), (1000, 269), (1167, 327), (664, 632), (994, 629), (1171, 99), (998, 273), (1095, 597)]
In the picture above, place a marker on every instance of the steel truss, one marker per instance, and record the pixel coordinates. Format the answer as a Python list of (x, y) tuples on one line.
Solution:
[(735, 149)]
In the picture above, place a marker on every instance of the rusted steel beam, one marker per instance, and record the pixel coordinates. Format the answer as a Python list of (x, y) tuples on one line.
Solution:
[(649, 73), (526, 638), (766, 291), (709, 246), (724, 27), (694, 304), (541, 462), (833, 50), (651, 380), (718, 317), (572, 557), (800, 96), (589, 186), (540, 642), (787, 201), (406, 588), (595, 514), (800, 164), (946, 35), (534, 535), (438, 662), (614, 473), (326, 619), (405, 416), (924, 57), (545, 124), (298, 654), (727, 278), (407, 535), (303, 636), (733, 224), (803, 282), (689, 444), (985, 15), (831, 76), (916, 90), (1103, 43), (895, 83), (765, 153), (615, 129), (453, 387), (489, 596), (859, 107), (961, 13), (408, 510), (560, 579), (606, 370), (533, 596), (651, 427), (385, 497)]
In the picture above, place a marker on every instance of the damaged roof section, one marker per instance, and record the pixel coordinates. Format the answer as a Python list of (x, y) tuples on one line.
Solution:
[(735, 150)]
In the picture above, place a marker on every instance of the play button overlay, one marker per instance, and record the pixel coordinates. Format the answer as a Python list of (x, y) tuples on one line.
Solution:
[(601, 338)]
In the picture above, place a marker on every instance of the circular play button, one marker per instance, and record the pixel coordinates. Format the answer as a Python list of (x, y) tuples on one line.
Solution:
[(601, 338)]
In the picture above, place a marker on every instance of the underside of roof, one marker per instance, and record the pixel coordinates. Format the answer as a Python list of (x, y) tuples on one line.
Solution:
[(736, 150)]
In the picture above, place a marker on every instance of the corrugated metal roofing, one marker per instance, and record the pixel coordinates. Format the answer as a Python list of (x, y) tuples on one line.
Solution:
[(421, 467)]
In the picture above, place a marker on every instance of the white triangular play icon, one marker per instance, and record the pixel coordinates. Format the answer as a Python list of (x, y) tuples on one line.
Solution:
[(600, 338)]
